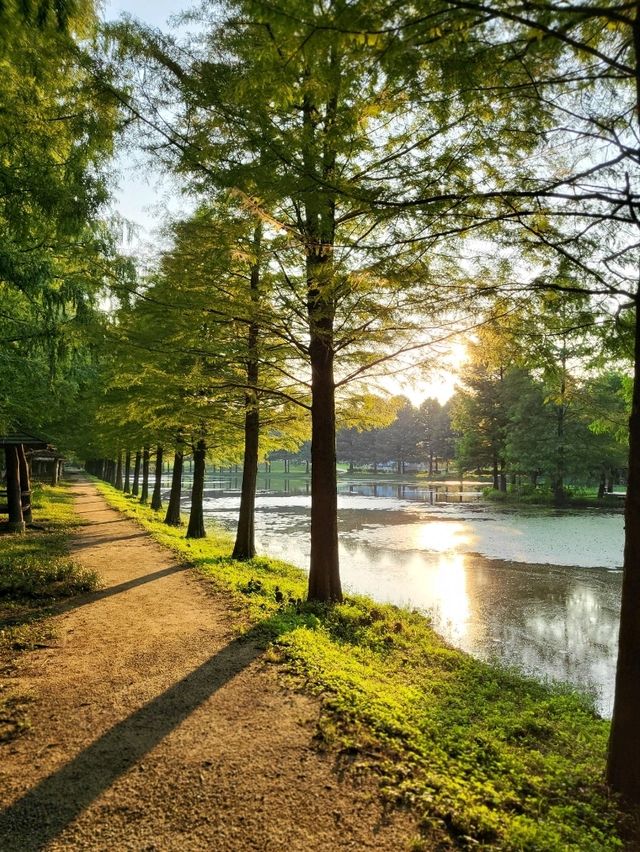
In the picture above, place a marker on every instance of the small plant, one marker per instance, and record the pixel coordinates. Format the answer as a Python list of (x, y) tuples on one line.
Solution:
[(39, 577)]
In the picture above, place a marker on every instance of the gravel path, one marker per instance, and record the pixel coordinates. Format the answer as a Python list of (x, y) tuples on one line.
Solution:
[(155, 729)]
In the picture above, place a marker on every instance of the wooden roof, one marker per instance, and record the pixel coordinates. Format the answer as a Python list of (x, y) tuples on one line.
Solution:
[(47, 455), (14, 439)]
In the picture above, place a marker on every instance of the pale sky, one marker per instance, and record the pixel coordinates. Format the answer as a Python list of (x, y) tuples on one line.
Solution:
[(142, 193), (154, 12)]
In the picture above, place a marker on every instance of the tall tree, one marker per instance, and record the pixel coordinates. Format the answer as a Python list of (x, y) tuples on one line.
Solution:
[(308, 130)]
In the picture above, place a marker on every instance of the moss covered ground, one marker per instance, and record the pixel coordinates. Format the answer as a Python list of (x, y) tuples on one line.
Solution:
[(485, 757)]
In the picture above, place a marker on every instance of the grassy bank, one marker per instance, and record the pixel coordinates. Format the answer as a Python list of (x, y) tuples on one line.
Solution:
[(582, 498), (482, 756), (36, 573)]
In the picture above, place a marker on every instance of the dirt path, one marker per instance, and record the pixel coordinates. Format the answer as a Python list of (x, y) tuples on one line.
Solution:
[(155, 729)]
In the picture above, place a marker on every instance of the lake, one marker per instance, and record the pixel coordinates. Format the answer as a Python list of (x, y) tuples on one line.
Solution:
[(538, 589)]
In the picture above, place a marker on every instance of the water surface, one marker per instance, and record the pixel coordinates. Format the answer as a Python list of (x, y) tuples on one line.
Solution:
[(538, 589)]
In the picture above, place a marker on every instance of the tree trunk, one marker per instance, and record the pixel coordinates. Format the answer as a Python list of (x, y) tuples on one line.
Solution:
[(503, 479), (25, 485), (172, 518), (14, 496), (559, 495), (144, 493), (136, 474), (324, 571), (623, 763), (196, 516), (496, 480), (245, 545), (602, 485), (127, 472), (119, 471), (156, 499)]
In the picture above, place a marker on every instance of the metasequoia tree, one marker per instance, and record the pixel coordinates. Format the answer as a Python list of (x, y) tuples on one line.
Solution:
[(290, 109), (217, 273), (55, 252)]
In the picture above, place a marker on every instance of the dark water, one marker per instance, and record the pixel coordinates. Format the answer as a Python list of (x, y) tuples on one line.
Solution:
[(538, 589)]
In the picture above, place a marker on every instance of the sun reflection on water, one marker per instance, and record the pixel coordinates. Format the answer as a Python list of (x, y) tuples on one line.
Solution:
[(441, 588), (451, 588), (443, 536)]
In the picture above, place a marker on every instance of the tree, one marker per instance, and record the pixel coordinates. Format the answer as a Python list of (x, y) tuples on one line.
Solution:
[(400, 440), (437, 440), (479, 412), (583, 207), (300, 119), (56, 253)]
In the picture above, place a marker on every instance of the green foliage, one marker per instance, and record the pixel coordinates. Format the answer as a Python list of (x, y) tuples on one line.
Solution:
[(534, 402), (56, 252), (30, 577), (482, 755)]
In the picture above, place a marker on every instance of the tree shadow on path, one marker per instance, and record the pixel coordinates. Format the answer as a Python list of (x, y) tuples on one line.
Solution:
[(43, 812)]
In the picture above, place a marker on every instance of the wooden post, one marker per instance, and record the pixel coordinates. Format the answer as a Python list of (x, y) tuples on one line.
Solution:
[(25, 485), (14, 497)]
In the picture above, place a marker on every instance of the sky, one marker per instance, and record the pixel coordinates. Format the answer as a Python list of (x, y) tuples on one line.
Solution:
[(144, 197), (142, 194)]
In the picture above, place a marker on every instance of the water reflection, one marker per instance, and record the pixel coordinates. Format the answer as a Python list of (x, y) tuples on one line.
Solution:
[(451, 592), (535, 589), (430, 493), (442, 536)]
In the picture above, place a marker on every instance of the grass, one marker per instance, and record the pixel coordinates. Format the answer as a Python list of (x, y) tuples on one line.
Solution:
[(575, 498), (35, 574), (483, 756)]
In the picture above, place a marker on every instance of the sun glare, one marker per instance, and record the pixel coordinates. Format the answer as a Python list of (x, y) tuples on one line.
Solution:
[(454, 600), (440, 384), (443, 536)]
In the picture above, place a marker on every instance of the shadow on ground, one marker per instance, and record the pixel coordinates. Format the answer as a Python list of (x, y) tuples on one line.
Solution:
[(42, 813)]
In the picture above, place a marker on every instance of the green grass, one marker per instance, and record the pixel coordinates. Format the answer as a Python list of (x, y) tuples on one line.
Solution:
[(35, 574), (484, 757), (575, 498)]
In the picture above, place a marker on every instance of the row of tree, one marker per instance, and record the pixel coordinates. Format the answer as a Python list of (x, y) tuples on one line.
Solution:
[(342, 155), (418, 436)]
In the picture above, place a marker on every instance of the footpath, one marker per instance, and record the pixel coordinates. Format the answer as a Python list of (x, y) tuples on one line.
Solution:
[(155, 727)]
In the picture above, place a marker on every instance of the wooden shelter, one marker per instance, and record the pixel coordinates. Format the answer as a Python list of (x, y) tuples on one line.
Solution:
[(47, 464), (18, 491)]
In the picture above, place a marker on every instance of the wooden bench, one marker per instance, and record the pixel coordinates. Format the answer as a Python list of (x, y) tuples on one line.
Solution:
[(26, 502)]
